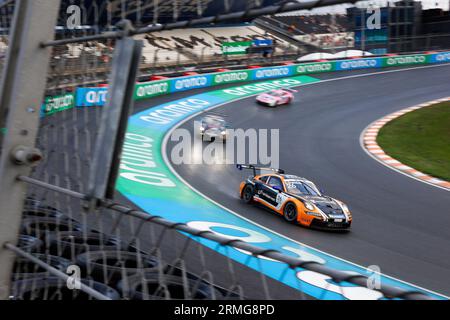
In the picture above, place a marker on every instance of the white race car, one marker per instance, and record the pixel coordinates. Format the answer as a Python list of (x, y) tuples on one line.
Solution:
[(213, 128)]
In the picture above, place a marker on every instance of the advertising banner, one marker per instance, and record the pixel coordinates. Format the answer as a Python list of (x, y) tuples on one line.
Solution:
[(238, 47), (96, 96), (151, 89), (315, 67), (354, 64), (89, 97), (396, 61), (189, 83), (272, 72), (231, 77), (440, 57), (58, 103)]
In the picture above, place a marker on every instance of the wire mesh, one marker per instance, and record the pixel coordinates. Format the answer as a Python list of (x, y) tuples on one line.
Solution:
[(6, 14), (118, 254), (331, 30)]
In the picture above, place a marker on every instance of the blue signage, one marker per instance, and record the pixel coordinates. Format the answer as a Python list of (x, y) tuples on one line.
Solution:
[(189, 83), (89, 97), (353, 64), (263, 42), (440, 57)]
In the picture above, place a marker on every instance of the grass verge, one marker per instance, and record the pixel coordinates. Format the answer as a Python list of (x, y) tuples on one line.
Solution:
[(420, 139)]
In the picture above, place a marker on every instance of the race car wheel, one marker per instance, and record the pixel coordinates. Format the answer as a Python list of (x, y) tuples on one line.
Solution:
[(247, 194), (290, 212)]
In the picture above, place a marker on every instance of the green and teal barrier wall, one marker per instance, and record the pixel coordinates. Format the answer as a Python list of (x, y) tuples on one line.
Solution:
[(96, 96)]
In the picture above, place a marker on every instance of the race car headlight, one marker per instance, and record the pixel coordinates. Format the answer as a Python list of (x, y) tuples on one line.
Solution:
[(345, 208), (309, 205), (315, 214)]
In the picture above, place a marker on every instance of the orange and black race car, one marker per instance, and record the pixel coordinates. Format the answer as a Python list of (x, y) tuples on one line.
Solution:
[(297, 199)]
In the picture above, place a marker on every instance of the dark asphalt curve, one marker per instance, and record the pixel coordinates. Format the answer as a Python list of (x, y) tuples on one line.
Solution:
[(400, 224)]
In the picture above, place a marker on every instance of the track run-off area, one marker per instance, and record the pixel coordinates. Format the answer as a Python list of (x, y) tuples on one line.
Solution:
[(400, 225)]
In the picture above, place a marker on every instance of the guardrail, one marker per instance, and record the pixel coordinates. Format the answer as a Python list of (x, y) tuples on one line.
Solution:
[(96, 96)]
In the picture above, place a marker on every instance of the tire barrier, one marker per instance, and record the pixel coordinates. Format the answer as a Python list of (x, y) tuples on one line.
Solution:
[(171, 270), (70, 244), (113, 266), (179, 272), (29, 243), (31, 202), (37, 210), (42, 227), (156, 286), (24, 268), (52, 288)]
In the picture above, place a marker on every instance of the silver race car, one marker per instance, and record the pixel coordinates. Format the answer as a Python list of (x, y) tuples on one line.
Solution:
[(213, 128)]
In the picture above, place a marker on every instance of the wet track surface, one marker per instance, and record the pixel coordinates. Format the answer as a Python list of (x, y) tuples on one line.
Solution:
[(400, 224)]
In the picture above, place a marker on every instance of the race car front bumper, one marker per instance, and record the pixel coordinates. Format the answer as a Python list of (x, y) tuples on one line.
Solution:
[(213, 136), (266, 103), (330, 224)]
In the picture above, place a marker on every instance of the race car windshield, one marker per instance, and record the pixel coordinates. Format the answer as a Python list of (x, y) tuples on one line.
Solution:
[(300, 187), (275, 93), (213, 123)]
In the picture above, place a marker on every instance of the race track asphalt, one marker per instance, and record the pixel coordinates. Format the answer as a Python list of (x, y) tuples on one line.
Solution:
[(400, 224)]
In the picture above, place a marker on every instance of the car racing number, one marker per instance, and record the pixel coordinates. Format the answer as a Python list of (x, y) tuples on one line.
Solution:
[(271, 196)]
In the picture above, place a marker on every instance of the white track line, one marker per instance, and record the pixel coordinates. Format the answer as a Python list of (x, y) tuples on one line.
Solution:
[(169, 165)]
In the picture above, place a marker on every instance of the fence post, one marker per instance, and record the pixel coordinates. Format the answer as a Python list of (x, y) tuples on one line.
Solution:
[(21, 94), (114, 120)]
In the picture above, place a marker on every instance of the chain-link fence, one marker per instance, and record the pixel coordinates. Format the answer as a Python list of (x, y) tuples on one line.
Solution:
[(72, 245)]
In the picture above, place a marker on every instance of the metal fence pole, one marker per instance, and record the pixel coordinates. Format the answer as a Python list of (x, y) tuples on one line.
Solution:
[(23, 85), (113, 123)]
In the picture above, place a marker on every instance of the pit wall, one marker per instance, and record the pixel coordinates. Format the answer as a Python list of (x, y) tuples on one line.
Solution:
[(96, 96)]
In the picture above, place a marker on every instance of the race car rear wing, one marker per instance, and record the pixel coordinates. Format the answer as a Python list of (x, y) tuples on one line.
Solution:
[(254, 168), (214, 114)]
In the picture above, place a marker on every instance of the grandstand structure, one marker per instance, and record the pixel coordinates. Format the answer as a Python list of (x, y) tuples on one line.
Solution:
[(202, 44), (169, 52), (314, 32)]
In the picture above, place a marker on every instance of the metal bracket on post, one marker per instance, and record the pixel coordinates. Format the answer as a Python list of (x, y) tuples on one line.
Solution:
[(115, 114), (21, 95)]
